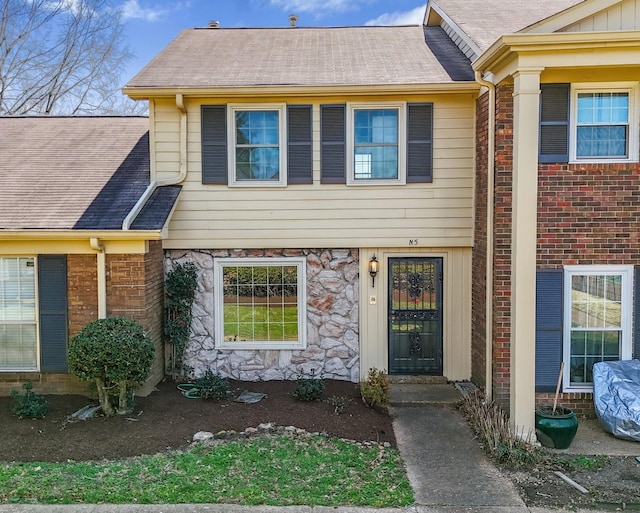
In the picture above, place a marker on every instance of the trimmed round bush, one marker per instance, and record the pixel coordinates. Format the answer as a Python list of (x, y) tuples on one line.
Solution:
[(116, 354)]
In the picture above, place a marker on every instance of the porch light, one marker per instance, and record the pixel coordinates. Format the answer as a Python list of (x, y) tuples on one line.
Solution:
[(373, 269)]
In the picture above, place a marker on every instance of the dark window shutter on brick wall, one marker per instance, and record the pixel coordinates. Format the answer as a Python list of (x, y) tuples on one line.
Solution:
[(554, 123), (549, 306), (300, 149), (419, 142), (52, 303), (332, 144), (214, 144)]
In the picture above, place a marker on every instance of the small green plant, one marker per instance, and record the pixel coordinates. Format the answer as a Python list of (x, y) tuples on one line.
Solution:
[(115, 354), (584, 462), (338, 403), (309, 388), (212, 386), (375, 389), (29, 405)]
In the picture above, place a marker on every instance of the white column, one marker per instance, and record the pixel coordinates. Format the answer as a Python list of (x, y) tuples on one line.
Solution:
[(526, 105)]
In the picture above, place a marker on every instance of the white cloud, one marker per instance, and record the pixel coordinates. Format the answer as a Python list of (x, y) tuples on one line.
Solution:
[(412, 17), (132, 10), (318, 6)]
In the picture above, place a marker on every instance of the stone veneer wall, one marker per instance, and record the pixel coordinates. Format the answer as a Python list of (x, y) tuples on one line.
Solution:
[(332, 319)]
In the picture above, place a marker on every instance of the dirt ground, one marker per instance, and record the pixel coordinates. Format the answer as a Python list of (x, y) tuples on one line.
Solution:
[(165, 420), (613, 486)]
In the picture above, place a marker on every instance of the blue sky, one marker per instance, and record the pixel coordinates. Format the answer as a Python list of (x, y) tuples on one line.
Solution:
[(151, 24)]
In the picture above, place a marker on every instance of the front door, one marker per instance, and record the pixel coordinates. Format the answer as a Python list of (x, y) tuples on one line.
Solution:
[(415, 316)]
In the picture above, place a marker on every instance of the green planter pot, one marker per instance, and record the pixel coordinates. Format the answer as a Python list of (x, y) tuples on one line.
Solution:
[(556, 430)]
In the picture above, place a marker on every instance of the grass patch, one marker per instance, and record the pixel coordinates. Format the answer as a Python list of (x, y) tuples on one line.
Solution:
[(272, 470), (261, 322)]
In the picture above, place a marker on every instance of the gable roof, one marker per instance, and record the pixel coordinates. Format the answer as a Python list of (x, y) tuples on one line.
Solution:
[(331, 57), (484, 21), (82, 173)]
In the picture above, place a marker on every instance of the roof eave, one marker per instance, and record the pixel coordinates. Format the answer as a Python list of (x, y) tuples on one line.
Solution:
[(144, 93), (18, 234)]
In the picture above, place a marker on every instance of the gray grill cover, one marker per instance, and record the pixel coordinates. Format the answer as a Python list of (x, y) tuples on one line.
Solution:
[(616, 393)]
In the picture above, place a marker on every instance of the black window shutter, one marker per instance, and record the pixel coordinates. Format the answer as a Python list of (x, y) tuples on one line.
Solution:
[(214, 144), (549, 305), (554, 123), (52, 302), (419, 142), (636, 314), (300, 150), (332, 144)]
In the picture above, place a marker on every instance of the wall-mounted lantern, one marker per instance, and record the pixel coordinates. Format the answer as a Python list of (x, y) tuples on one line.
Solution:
[(373, 269)]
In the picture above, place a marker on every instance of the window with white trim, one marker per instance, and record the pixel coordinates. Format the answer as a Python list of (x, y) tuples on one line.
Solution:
[(598, 320), (260, 303), (257, 145), (376, 143), (18, 326), (604, 123)]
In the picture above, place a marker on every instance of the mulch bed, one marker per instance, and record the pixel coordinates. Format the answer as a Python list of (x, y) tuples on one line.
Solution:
[(165, 420)]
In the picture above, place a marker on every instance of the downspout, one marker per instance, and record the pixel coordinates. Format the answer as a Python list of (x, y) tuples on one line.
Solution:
[(491, 133), (182, 175), (102, 277)]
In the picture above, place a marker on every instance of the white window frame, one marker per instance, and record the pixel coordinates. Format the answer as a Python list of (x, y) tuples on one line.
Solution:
[(35, 322), (631, 88), (401, 107), (221, 263), (626, 342), (281, 108)]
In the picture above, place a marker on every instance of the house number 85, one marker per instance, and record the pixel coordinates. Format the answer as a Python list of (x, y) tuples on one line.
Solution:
[(413, 242)]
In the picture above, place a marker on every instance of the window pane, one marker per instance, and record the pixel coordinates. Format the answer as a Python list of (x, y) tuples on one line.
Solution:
[(257, 145), (596, 301), (258, 164), (602, 129), (377, 162), (18, 346), (265, 308)]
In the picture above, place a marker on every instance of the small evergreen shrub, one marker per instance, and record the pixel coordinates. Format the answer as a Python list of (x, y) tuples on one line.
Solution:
[(309, 388), (338, 403), (212, 386), (29, 405), (375, 389), (116, 355)]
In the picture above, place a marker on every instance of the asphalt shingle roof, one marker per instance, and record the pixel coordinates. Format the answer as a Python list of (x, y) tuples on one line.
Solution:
[(63, 173), (338, 56), (484, 21)]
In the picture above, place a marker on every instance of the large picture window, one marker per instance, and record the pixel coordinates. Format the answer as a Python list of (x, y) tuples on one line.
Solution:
[(257, 151), (598, 305), (260, 303), (18, 333)]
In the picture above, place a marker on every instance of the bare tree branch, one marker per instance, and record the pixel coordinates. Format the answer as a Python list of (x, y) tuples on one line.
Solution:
[(61, 57)]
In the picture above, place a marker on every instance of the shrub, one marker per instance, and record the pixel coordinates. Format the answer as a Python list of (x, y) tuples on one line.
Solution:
[(374, 390), (180, 287), (338, 403), (29, 405), (116, 355), (308, 389), (212, 386)]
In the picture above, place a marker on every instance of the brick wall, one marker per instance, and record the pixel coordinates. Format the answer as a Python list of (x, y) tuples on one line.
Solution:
[(502, 243), (479, 254), (82, 291)]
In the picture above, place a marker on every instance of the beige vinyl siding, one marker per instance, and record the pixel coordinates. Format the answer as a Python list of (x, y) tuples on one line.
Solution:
[(456, 309), (437, 214), (624, 16)]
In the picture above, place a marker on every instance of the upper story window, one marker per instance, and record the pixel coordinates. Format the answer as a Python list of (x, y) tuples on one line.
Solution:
[(589, 122), (602, 125), (257, 153), (376, 138)]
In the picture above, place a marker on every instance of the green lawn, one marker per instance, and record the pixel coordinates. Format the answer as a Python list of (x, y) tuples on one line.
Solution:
[(260, 322), (274, 470)]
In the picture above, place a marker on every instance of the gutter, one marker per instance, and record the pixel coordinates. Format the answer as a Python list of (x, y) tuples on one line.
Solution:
[(491, 133), (128, 221), (102, 277)]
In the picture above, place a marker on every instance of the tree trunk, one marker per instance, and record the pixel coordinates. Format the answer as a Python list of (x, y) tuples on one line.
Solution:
[(123, 399), (103, 397)]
